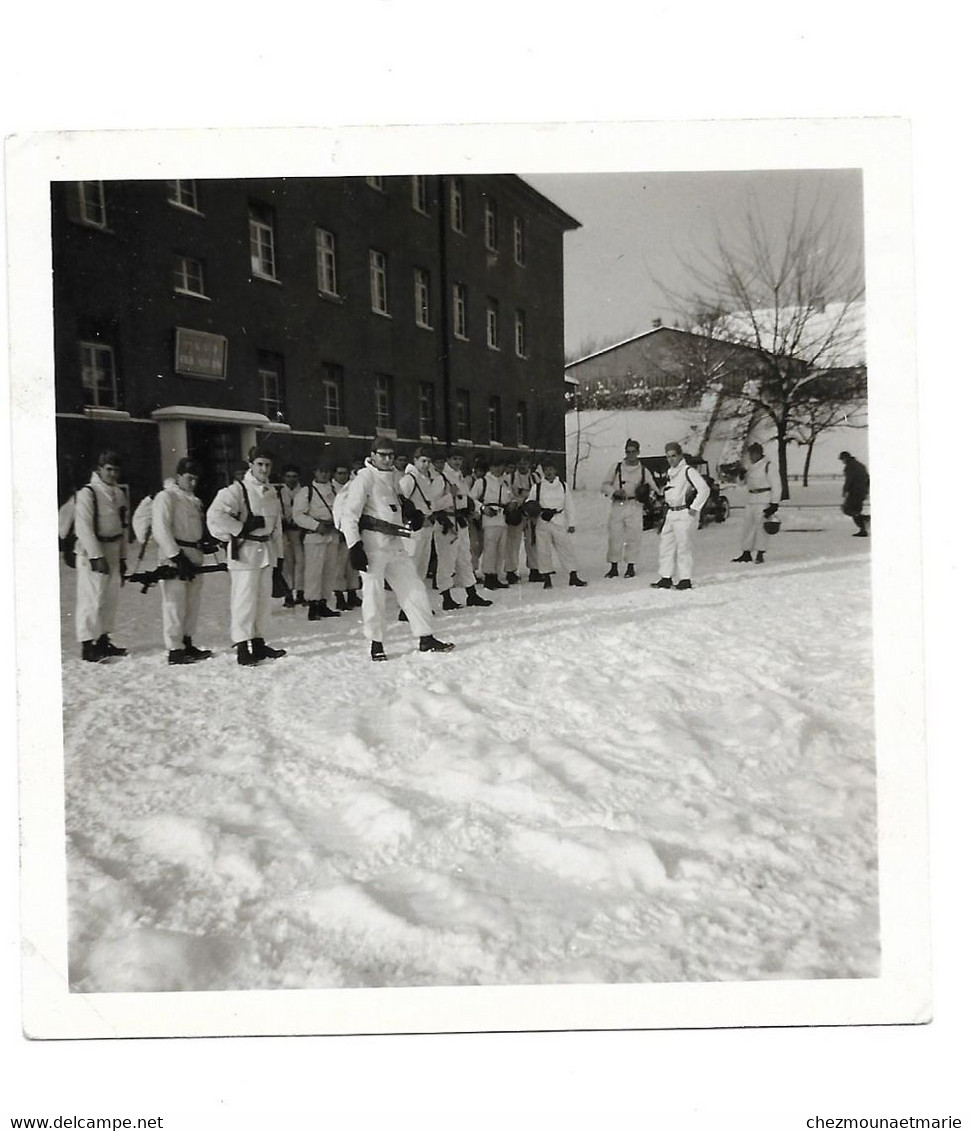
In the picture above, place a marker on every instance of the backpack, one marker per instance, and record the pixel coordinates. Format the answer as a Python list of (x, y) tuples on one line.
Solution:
[(66, 535), (141, 530)]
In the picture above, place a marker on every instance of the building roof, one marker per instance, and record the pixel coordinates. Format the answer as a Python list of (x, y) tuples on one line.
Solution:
[(564, 219)]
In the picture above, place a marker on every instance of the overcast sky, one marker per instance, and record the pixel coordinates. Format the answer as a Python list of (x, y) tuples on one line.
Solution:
[(637, 226)]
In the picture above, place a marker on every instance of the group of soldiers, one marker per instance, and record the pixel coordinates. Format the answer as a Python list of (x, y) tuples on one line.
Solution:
[(389, 522)]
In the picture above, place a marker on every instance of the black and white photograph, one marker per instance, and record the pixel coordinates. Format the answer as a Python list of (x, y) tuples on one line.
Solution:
[(465, 581)]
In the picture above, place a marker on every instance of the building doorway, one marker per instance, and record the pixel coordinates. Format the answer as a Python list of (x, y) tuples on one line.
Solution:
[(217, 449)]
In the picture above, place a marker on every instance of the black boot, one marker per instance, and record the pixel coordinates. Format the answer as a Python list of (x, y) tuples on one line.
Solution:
[(299, 599), (474, 599), (745, 556), (493, 582), (512, 577), (448, 602), (339, 602), (629, 572), (354, 601), (430, 644), (181, 656), (324, 613), (613, 571), (378, 651), (313, 610), (246, 653), (575, 580), (662, 583), (535, 575), (548, 581), (197, 653), (760, 557), (684, 584), (91, 651), (108, 649), (289, 601), (264, 651)]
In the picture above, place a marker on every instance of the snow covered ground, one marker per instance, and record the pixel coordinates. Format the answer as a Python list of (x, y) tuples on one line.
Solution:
[(611, 784)]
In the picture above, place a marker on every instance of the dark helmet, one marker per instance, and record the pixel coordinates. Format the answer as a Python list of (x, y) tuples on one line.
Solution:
[(771, 525)]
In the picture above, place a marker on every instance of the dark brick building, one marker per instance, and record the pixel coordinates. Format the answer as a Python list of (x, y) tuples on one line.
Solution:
[(204, 316)]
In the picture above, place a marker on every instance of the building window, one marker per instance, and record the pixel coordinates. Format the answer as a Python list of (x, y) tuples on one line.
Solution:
[(426, 408), (492, 324), (519, 241), (262, 258), (521, 424), (270, 377), (459, 307), (423, 297), (379, 281), (187, 277), (377, 183), (520, 333), (420, 194), (98, 378), (183, 195), (91, 204), (495, 422), (327, 276), (333, 396), (489, 218), (384, 401), (463, 427), (457, 209)]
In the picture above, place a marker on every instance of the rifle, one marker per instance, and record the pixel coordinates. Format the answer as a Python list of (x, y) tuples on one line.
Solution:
[(148, 578)]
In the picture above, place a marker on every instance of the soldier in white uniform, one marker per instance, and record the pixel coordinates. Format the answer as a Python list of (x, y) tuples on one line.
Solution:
[(625, 486), (492, 493), (347, 579), (555, 525), (422, 490), (313, 513), (521, 479), (371, 499), (293, 541), (100, 522), (763, 493), (453, 558), (685, 494), (178, 531), (247, 516)]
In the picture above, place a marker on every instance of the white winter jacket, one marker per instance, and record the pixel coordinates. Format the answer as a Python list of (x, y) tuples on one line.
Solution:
[(312, 505), (177, 519), (554, 496), (491, 491), (226, 516), (110, 522)]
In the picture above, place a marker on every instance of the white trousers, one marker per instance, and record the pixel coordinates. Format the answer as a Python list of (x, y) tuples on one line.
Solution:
[(96, 600), (180, 610), (293, 559), (250, 597), (397, 567), (625, 531), (514, 540), (675, 545), (754, 537), (550, 538), (453, 559), (494, 548), (322, 573), (419, 549)]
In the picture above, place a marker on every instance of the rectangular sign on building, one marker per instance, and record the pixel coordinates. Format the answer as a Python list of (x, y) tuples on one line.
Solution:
[(199, 354)]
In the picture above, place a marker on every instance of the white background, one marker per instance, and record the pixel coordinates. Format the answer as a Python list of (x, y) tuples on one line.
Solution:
[(120, 66)]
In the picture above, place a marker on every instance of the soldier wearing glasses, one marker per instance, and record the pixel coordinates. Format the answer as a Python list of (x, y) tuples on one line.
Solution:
[(371, 500)]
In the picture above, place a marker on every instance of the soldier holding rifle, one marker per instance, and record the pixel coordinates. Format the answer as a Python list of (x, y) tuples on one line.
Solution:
[(180, 534)]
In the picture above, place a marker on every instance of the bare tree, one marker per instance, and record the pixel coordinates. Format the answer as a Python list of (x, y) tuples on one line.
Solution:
[(838, 402), (789, 301)]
